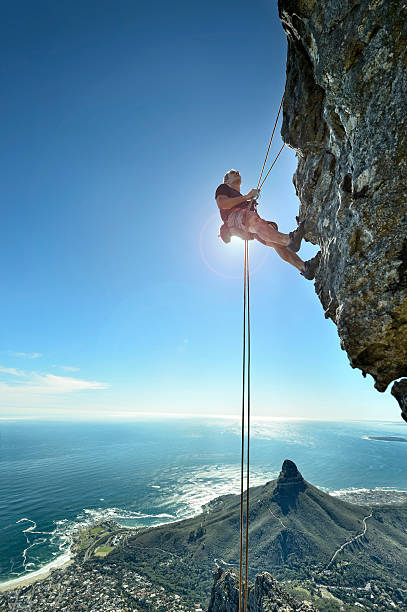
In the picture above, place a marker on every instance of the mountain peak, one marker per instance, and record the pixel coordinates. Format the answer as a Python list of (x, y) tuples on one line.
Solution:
[(289, 474), (289, 469), (289, 484)]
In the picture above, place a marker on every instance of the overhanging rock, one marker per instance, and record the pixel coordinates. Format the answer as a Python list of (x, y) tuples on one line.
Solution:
[(345, 115)]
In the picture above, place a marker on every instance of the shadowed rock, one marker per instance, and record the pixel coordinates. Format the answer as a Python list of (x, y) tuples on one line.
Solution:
[(266, 595), (399, 391), (289, 484)]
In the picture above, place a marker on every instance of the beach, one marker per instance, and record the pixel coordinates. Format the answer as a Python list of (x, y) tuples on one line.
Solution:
[(16, 583)]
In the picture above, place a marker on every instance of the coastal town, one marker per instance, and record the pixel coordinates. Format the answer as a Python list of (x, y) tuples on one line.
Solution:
[(110, 589), (89, 585)]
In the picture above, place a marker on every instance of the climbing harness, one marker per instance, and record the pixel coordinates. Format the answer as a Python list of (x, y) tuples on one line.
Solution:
[(244, 541), (226, 234)]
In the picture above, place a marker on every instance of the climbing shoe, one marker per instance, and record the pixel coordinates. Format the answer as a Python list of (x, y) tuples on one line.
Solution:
[(295, 238), (311, 266)]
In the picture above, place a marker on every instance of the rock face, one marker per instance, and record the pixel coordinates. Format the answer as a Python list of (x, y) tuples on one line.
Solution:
[(345, 114), (266, 595)]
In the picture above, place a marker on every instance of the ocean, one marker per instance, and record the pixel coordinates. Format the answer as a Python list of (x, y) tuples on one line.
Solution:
[(56, 476)]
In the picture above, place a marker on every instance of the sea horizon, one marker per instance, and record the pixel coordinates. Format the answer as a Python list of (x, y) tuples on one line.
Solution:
[(77, 418)]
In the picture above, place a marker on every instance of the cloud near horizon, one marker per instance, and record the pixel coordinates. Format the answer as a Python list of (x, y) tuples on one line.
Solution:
[(48, 384)]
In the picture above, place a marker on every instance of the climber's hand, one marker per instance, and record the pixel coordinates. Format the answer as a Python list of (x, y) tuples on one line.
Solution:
[(253, 193)]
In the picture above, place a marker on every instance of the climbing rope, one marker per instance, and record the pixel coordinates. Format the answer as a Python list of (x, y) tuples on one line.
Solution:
[(246, 393), (245, 402), (260, 184), (243, 426), (272, 166), (248, 431)]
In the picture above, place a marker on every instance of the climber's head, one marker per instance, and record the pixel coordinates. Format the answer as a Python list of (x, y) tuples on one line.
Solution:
[(233, 179)]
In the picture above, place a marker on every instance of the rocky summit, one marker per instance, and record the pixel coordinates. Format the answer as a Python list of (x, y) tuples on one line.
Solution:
[(266, 595), (345, 115), (288, 486), (290, 477)]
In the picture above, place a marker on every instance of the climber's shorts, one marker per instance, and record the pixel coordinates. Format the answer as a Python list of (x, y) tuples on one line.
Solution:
[(239, 219)]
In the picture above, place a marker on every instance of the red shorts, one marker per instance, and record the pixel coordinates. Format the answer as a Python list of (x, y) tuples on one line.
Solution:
[(239, 219)]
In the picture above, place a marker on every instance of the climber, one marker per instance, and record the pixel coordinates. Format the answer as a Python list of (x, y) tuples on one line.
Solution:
[(241, 219)]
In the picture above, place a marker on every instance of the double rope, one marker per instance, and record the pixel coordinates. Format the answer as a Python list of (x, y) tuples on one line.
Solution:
[(261, 182), (244, 542), (245, 402)]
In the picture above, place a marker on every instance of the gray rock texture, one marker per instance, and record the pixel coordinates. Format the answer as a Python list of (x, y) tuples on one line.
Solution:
[(266, 595), (345, 112)]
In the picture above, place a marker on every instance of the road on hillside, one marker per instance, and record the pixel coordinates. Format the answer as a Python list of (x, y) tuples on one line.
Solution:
[(356, 537)]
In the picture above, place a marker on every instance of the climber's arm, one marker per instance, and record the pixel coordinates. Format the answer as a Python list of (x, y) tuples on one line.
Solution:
[(226, 203)]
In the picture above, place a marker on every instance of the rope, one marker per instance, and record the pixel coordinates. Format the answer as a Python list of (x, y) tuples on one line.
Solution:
[(243, 424), (245, 401), (246, 392), (248, 431), (272, 165), (268, 149)]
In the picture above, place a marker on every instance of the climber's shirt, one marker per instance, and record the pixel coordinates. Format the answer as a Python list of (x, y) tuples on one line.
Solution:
[(225, 190)]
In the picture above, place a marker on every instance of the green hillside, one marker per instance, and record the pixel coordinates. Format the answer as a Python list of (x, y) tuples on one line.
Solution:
[(295, 531)]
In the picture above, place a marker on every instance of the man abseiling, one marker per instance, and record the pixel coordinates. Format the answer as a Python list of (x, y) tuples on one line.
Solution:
[(240, 217)]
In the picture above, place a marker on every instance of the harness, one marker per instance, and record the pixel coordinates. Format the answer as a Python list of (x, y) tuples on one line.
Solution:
[(226, 232)]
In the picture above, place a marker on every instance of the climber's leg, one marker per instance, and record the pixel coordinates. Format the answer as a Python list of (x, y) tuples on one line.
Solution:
[(289, 257), (307, 268), (257, 225), (266, 231)]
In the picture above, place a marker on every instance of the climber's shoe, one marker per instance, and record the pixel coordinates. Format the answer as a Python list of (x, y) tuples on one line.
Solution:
[(295, 238), (311, 266)]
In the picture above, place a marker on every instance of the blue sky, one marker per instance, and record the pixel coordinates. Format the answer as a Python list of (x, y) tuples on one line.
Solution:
[(119, 121)]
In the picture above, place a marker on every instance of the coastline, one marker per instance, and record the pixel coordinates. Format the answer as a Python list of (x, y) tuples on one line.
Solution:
[(358, 496), (61, 562), (25, 580)]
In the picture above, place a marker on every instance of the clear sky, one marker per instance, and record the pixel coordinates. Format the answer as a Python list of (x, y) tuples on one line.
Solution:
[(119, 120)]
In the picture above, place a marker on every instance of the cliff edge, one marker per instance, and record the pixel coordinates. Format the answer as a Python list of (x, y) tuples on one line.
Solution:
[(345, 115)]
